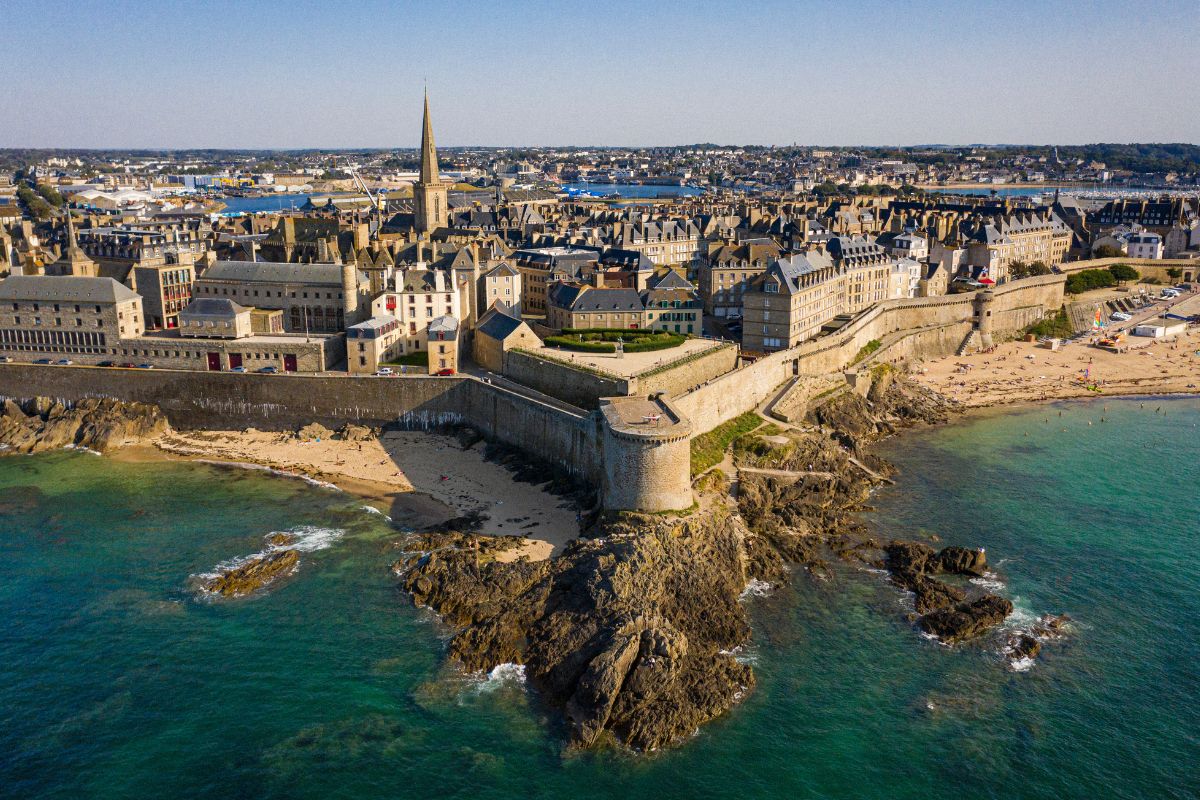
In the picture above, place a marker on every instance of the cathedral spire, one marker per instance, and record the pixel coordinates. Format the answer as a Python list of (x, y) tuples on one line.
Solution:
[(429, 160)]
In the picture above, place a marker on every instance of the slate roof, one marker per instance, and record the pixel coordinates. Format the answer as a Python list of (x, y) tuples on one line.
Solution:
[(221, 307), (497, 325), (276, 272), (64, 289)]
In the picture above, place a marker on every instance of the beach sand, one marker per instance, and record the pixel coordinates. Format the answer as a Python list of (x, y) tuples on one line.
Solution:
[(416, 478), (1020, 372)]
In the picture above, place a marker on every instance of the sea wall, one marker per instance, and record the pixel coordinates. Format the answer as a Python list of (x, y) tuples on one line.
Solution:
[(216, 400), (911, 328)]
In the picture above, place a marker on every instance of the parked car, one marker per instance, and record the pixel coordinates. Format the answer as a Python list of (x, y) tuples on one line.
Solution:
[(444, 372), (238, 369), (5, 359), (385, 372), (267, 370), (64, 362), (106, 364), (128, 365), (1121, 316), (145, 366), (43, 361)]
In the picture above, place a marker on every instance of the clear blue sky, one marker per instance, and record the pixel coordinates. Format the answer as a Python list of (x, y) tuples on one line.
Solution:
[(349, 74)]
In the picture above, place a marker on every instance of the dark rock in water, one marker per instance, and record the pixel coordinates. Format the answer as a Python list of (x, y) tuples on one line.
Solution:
[(932, 595), (95, 423), (628, 632), (1023, 646), (253, 574), (281, 539), (966, 620), (962, 561)]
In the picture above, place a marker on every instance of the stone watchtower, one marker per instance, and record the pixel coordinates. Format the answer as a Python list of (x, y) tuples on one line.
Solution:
[(984, 300), (349, 292), (647, 455), (430, 201)]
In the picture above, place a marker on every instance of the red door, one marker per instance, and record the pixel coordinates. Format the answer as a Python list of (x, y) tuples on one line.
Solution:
[(214, 362), (235, 360), (289, 363)]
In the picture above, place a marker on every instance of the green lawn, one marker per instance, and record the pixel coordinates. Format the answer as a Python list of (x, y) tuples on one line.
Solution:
[(709, 448), (419, 358)]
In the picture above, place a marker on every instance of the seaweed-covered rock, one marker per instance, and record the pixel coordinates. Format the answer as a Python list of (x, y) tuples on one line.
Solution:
[(95, 423), (253, 574)]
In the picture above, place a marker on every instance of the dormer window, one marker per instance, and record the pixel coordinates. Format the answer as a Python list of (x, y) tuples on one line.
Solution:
[(771, 286)]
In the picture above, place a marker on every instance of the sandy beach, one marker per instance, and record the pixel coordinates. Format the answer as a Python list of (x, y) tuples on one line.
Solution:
[(416, 478), (1021, 372)]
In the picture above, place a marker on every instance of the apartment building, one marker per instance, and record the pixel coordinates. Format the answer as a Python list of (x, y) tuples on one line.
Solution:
[(75, 317)]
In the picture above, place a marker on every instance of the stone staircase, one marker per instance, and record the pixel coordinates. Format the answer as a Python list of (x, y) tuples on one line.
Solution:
[(968, 342)]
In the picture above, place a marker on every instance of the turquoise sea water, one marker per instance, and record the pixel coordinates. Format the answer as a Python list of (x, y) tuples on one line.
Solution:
[(116, 682)]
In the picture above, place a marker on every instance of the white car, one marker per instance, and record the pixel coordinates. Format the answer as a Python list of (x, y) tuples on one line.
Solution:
[(1121, 316), (385, 372)]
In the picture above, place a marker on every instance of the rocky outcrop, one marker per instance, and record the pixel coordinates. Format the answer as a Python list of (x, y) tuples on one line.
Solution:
[(101, 424), (252, 575), (629, 632), (966, 620)]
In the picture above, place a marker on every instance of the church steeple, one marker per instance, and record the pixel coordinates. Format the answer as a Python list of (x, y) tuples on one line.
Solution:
[(430, 195), (429, 159)]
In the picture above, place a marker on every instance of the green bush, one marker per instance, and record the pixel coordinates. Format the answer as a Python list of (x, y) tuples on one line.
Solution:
[(1089, 279), (1123, 272), (866, 350), (1056, 325)]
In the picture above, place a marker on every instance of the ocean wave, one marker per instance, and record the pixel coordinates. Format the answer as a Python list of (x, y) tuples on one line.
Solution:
[(499, 677), (374, 510), (755, 588), (990, 581), (303, 539), (282, 473), (742, 654), (82, 449)]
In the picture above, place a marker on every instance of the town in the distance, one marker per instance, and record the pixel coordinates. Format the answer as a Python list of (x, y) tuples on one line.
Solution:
[(608, 261)]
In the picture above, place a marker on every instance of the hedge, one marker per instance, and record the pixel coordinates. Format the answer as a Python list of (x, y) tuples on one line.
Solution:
[(586, 346), (603, 340)]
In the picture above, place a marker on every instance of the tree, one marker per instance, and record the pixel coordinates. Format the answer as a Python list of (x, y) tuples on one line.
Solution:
[(1039, 268), (33, 204), (50, 195), (1018, 270), (1123, 272), (1174, 273), (1107, 251)]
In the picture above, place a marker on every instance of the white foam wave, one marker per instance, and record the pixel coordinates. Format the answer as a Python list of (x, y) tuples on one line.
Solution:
[(742, 655), (1021, 664), (990, 581), (82, 449), (374, 510), (303, 539), (282, 473), (755, 588), (501, 675)]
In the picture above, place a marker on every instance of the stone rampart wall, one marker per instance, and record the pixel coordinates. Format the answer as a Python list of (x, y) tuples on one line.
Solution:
[(282, 402)]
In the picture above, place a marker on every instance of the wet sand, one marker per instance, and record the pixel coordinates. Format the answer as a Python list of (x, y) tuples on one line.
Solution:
[(418, 479)]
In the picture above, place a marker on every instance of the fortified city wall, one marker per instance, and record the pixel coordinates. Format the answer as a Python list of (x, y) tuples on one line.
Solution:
[(216, 400), (583, 387), (919, 327), (638, 464)]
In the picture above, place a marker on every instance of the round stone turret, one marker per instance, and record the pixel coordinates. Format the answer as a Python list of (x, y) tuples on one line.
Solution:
[(647, 455)]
